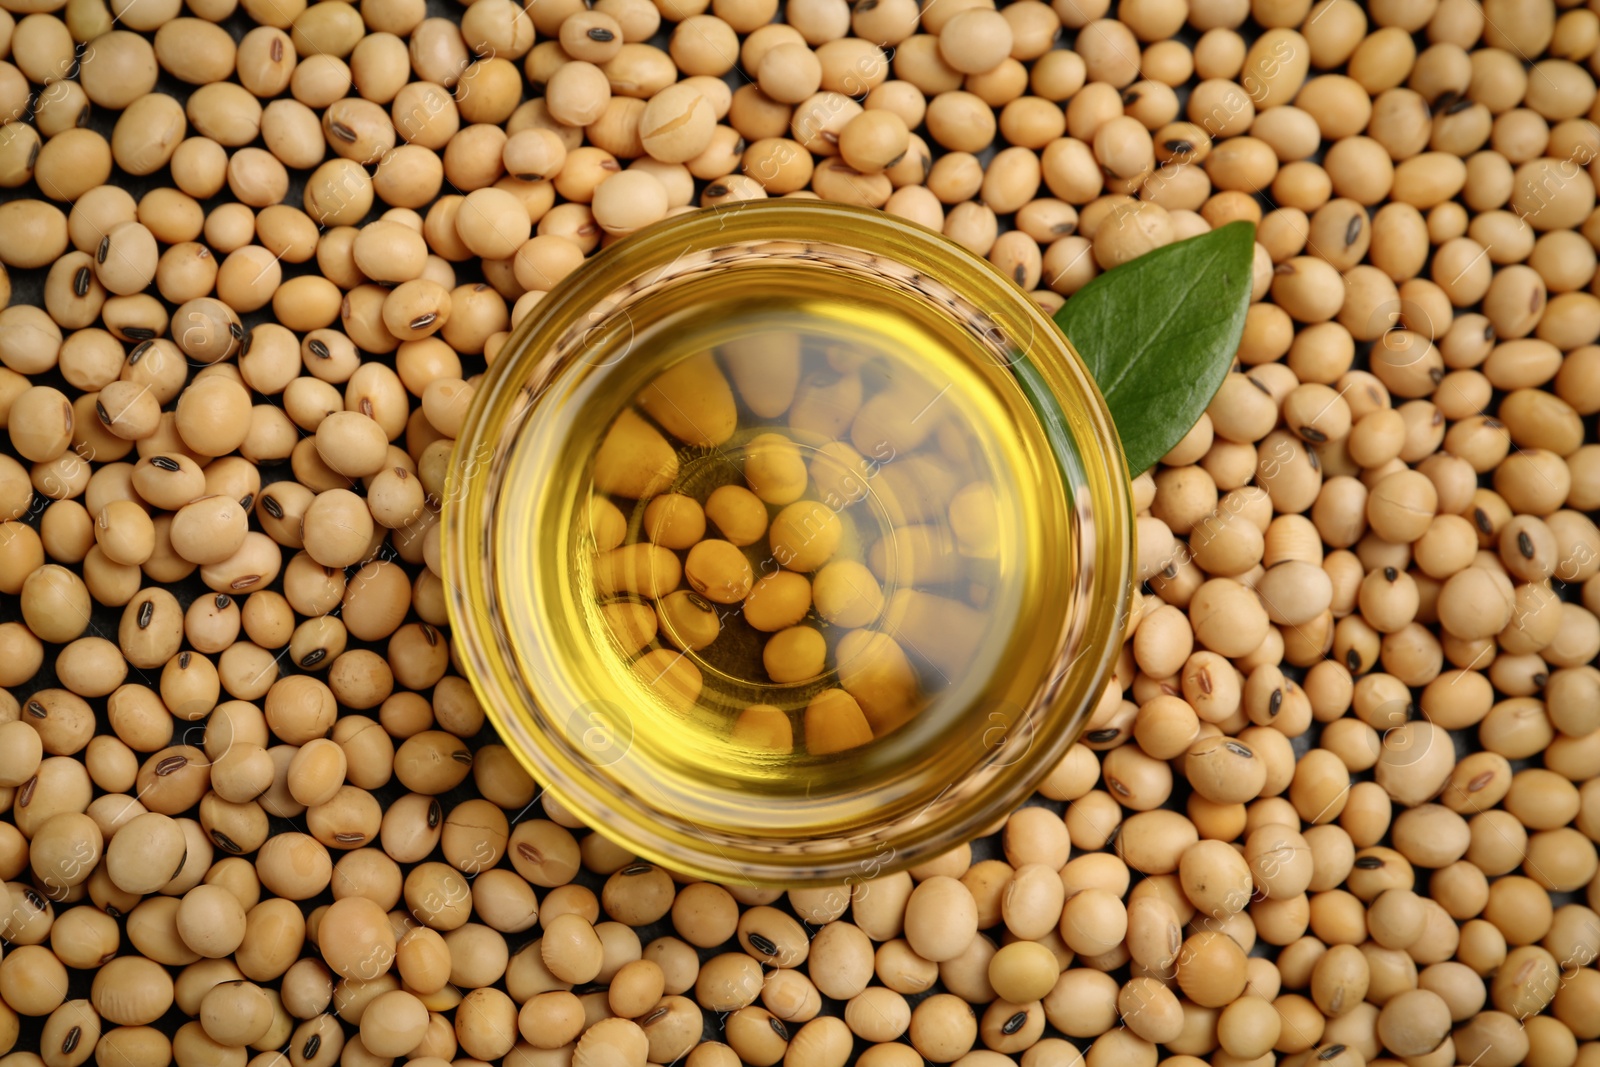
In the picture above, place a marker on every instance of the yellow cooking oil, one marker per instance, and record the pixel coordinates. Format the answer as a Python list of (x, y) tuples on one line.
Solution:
[(862, 532)]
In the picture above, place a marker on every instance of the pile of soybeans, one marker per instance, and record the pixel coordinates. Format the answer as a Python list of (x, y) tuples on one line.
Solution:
[(1339, 806)]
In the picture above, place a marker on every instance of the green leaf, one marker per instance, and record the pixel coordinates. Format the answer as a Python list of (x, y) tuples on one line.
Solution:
[(1160, 332)]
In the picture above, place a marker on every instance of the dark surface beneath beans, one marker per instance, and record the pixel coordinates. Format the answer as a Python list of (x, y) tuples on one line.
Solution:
[(28, 287)]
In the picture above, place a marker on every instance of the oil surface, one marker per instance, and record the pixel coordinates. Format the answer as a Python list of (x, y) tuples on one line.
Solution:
[(829, 443)]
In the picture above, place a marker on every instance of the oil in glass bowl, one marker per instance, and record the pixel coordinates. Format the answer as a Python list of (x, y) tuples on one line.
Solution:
[(787, 538)]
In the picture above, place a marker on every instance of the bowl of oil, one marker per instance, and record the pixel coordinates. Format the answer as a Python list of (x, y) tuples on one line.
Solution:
[(787, 543)]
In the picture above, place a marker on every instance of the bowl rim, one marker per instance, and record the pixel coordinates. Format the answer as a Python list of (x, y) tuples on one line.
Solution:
[(1099, 493)]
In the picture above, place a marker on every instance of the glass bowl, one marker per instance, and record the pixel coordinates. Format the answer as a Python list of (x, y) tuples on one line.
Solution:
[(974, 663)]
